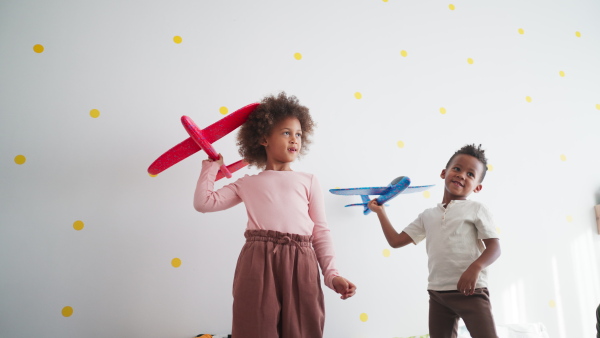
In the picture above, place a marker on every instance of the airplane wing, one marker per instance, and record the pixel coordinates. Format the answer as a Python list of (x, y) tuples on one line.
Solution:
[(360, 191), (227, 124), (419, 188), (212, 133), (173, 155)]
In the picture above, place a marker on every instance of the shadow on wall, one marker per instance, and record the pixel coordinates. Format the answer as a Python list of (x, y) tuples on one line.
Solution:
[(597, 210)]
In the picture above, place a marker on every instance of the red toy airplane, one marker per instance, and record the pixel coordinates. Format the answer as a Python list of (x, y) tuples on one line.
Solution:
[(203, 139)]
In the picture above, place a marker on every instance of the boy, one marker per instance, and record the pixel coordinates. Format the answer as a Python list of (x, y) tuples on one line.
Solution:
[(461, 243)]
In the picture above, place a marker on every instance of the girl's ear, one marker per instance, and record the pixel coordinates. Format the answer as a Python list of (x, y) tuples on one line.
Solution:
[(264, 141)]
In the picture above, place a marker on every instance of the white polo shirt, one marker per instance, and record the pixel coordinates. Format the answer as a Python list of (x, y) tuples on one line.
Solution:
[(454, 240)]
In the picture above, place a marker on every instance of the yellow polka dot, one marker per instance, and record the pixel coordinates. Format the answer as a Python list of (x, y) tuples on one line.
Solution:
[(78, 225), (152, 175), (521, 31), (177, 39), (67, 311), (358, 95), (298, 56), (20, 159), (176, 262), (451, 6), (561, 73), (552, 303), (400, 144), (386, 252), (470, 61), (578, 34), (598, 106), (385, 0), (426, 194), (38, 48), (442, 110), (528, 98), (569, 218), (364, 317), (490, 167), (95, 113), (404, 53), (498, 230), (223, 110), (563, 157)]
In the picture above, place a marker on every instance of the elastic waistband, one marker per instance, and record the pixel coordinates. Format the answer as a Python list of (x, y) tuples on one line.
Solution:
[(277, 237), (456, 291)]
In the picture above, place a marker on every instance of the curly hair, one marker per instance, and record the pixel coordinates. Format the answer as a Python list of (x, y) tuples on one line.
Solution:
[(272, 110), (475, 151)]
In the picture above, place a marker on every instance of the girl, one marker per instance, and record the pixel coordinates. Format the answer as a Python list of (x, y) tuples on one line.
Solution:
[(277, 286)]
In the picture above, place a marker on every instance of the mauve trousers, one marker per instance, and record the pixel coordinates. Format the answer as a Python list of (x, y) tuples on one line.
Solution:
[(445, 307), (277, 288)]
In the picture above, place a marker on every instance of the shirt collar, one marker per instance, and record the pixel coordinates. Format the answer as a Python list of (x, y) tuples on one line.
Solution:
[(441, 205)]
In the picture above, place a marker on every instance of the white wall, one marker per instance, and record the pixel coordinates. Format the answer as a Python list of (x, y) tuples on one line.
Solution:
[(120, 58)]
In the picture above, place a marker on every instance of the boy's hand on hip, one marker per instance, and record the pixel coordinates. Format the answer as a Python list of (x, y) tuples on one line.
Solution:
[(468, 281), (344, 287)]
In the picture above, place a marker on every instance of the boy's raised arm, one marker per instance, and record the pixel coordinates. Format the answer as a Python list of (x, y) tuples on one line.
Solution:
[(395, 239)]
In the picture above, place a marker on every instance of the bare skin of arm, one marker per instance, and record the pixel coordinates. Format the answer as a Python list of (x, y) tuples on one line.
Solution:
[(395, 239), (466, 283)]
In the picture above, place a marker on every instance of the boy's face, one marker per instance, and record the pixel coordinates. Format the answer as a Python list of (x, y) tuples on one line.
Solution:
[(462, 177)]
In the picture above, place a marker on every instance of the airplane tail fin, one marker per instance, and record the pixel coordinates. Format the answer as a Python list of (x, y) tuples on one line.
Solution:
[(231, 168), (366, 200)]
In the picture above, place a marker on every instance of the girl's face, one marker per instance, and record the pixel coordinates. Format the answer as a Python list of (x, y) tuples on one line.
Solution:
[(283, 144)]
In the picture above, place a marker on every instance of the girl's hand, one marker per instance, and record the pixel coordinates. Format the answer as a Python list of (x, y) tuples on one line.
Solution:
[(219, 161), (344, 287)]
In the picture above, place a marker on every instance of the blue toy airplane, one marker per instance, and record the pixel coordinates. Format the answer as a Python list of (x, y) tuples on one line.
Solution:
[(400, 185)]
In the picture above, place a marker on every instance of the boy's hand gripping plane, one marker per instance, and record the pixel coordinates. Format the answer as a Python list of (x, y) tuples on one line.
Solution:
[(400, 185), (203, 139)]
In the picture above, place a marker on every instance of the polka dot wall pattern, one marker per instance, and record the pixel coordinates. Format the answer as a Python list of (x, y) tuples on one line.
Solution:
[(104, 115)]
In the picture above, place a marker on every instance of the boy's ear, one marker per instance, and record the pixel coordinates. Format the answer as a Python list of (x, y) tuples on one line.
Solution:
[(478, 188), (443, 174)]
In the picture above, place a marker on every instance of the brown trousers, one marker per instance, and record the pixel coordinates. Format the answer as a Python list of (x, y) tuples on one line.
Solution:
[(277, 288), (445, 307)]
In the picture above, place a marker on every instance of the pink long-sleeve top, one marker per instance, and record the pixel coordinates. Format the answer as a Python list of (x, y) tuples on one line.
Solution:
[(284, 201)]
